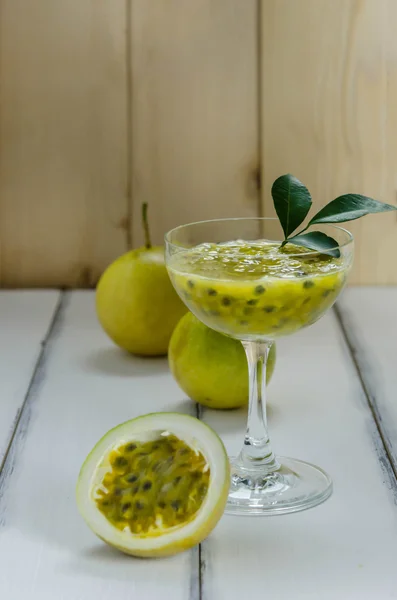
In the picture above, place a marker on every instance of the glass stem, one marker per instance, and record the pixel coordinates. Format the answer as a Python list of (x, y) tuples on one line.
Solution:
[(257, 453)]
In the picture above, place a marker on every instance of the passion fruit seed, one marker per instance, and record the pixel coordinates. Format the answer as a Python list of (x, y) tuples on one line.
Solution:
[(269, 309), (252, 302), (259, 290), (120, 463), (308, 284), (175, 482)]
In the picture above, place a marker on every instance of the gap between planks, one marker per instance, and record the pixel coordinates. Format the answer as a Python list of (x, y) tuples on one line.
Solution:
[(199, 554), (352, 346), (128, 74), (22, 422), (22, 419)]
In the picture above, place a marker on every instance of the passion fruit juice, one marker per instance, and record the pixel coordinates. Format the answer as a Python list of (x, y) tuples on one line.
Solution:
[(256, 289)]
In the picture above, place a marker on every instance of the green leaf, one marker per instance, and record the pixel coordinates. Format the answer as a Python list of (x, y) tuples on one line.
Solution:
[(292, 202), (316, 240), (349, 207)]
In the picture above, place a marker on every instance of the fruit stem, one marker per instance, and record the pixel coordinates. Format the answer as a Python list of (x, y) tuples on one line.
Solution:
[(145, 223)]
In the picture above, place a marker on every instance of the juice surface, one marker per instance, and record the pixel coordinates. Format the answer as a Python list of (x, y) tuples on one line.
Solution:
[(255, 289)]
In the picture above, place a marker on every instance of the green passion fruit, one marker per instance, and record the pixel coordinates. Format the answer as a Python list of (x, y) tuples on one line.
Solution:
[(210, 367), (136, 303), (155, 485)]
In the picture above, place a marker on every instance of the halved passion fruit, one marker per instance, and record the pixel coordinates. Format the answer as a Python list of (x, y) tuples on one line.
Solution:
[(155, 485)]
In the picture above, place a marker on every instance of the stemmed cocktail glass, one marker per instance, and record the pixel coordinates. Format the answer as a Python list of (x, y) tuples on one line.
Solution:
[(234, 276)]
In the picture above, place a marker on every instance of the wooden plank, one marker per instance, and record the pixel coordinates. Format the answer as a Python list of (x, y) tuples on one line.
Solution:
[(368, 317), (194, 111), (24, 321), (87, 386), (344, 548), (63, 140), (329, 92)]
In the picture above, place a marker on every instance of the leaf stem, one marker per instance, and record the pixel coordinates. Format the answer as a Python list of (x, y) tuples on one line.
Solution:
[(303, 230), (145, 223), (292, 236)]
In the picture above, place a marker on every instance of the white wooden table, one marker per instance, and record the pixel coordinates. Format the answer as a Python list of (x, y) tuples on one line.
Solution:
[(334, 402)]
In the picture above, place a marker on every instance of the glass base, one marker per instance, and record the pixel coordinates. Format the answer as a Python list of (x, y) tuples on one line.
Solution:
[(296, 485)]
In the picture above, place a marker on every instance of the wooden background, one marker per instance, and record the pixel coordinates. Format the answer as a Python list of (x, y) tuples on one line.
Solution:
[(194, 106)]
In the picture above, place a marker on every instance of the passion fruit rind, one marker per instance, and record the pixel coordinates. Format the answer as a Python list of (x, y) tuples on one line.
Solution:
[(198, 457)]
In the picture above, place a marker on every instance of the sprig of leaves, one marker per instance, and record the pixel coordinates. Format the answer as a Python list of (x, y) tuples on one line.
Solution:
[(292, 201)]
